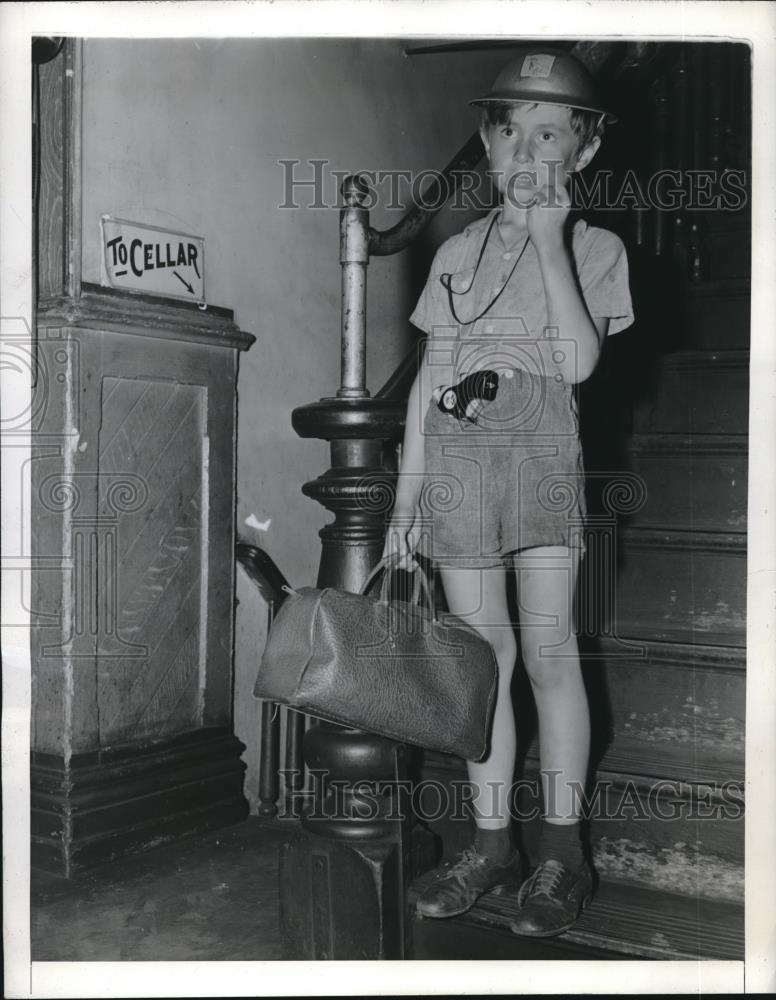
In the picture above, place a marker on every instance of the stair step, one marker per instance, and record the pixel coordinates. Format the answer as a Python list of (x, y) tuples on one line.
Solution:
[(689, 697), (467, 940), (685, 867), (696, 482), (643, 761), (681, 835), (623, 920), (696, 392), (656, 815), (634, 762), (681, 586), (685, 757)]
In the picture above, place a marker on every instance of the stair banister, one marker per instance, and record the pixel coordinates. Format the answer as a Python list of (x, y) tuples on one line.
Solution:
[(436, 194)]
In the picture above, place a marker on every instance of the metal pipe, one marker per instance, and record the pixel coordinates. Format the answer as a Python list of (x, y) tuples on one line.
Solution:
[(269, 778), (294, 761), (354, 257)]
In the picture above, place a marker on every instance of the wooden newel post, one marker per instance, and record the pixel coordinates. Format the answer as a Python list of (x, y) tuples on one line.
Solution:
[(343, 878)]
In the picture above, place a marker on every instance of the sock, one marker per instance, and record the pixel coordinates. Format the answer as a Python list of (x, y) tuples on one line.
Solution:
[(560, 841), (498, 844)]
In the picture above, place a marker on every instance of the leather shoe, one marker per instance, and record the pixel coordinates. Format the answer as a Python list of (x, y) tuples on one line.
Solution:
[(552, 899), (457, 888)]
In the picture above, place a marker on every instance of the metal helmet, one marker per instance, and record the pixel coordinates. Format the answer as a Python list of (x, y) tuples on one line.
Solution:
[(546, 76)]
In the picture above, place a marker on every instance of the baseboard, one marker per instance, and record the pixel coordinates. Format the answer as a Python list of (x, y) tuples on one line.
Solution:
[(109, 803)]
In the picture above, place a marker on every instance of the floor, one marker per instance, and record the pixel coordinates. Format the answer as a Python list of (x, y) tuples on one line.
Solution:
[(212, 897)]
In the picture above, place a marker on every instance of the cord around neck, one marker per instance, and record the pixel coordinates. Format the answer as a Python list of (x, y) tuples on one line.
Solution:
[(446, 279)]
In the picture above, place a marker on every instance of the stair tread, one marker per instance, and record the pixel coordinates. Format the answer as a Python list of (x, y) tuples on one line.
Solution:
[(687, 537), (688, 763), (628, 630), (713, 287), (634, 759), (631, 920), (680, 437), (697, 655), (706, 355)]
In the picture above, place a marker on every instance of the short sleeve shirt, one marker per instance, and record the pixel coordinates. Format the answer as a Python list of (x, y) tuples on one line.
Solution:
[(527, 439), (512, 277)]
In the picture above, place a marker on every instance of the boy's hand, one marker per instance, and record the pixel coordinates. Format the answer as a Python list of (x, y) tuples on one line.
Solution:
[(547, 216), (401, 540)]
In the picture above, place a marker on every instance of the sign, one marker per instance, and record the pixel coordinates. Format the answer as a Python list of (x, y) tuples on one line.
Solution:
[(152, 260)]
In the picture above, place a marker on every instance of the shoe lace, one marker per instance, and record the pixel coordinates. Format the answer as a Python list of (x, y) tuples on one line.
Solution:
[(469, 860), (546, 879)]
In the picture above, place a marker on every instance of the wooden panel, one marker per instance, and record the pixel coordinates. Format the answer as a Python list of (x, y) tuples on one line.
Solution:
[(703, 710), (697, 393), (683, 587), (65, 532), (110, 803), (50, 583), (151, 439), (59, 221), (698, 483), (221, 447), (133, 480), (207, 446), (51, 203), (689, 698)]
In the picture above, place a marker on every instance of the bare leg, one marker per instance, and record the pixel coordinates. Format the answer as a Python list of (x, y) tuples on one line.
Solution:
[(552, 898), (546, 581), (478, 596)]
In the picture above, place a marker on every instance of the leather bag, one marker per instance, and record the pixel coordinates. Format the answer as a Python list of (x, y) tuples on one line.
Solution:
[(386, 667)]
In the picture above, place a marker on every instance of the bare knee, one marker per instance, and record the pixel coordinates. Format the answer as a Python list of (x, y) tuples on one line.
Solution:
[(504, 646), (551, 666)]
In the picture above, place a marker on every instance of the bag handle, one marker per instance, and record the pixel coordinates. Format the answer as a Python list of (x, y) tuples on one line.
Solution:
[(387, 567), (420, 583)]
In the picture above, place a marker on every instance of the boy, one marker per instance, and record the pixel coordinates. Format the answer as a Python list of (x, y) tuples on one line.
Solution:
[(517, 308)]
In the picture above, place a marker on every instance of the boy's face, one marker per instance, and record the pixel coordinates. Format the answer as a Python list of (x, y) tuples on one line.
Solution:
[(536, 148)]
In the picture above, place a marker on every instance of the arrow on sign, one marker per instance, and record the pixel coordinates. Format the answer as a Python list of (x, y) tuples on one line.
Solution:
[(184, 282)]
